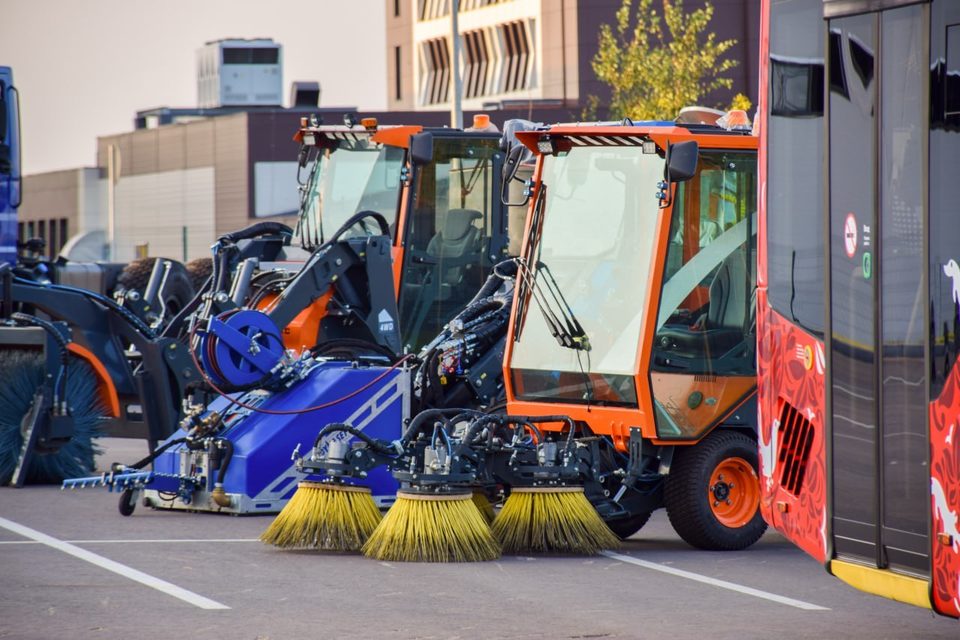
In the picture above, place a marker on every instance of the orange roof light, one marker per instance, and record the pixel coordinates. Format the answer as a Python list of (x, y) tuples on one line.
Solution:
[(736, 119), (368, 123), (481, 122)]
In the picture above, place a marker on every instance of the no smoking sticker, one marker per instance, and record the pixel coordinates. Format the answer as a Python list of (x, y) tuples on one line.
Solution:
[(850, 235)]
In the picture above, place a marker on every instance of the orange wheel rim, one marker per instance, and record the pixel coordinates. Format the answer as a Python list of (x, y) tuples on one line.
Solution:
[(734, 492)]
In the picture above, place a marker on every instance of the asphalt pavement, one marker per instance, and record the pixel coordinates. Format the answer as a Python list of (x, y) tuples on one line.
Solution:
[(72, 567)]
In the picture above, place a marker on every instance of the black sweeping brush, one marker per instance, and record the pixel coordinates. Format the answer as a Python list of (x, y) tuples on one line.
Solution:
[(22, 371)]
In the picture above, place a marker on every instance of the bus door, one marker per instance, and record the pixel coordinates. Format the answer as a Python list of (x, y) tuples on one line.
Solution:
[(877, 373)]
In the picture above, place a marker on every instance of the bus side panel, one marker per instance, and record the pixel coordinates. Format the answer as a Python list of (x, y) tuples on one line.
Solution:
[(793, 484), (945, 496)]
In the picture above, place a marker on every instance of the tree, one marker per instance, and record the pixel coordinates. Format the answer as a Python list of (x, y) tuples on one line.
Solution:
[(652, 73)]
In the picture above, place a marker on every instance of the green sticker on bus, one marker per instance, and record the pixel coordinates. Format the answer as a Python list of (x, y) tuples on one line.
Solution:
[(867, 265)]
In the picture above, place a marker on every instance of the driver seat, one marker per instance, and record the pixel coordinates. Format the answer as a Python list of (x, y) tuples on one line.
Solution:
[(455, 245)]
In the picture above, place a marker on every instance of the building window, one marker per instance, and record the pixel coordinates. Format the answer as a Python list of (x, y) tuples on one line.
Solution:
[(52, 246), (63, 233), (396, 8), (434, 71), (516, 55), (398, 87)]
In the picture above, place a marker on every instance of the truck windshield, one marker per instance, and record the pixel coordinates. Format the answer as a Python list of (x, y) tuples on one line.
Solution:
[(356, 176), (597, 238)]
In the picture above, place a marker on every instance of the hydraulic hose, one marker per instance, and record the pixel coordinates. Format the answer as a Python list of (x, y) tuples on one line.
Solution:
[(127, 315), (339, 427), (357, 217), (255, 230), (227, 447), (60, 384), (416, 425)]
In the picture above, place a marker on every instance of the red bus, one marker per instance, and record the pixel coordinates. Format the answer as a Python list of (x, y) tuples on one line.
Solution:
[(859, 290)]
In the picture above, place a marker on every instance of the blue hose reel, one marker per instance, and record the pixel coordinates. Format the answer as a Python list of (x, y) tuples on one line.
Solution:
[(241, 348)]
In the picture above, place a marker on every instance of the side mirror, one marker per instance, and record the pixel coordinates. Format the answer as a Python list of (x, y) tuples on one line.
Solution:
[(681, 161), (511, 166), (421, 148)]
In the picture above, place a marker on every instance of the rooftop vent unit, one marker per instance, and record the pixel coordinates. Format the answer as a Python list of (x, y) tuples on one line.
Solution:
[(237, 72)]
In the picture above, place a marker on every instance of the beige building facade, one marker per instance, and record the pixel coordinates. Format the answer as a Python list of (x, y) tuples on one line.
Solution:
[(539, 51)]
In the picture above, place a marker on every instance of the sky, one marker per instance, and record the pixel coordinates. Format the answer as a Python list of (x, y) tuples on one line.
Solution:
[(84, 67)]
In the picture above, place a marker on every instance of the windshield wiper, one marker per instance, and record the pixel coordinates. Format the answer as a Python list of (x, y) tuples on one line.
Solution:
[(563, 324), (574, 330)]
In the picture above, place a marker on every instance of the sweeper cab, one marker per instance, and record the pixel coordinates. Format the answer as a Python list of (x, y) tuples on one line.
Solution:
[(629, 368), (634, 316)]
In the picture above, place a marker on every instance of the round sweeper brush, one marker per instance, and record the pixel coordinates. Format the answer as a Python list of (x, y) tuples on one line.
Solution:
[(432, 528), (22, 372), (483, 504), (325, 517), (551, 520)]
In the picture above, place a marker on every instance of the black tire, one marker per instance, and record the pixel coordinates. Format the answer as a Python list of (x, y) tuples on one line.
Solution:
[(178, 289), (199, 270), (127, 503), (136, 274), (626, 527), (690, 499)]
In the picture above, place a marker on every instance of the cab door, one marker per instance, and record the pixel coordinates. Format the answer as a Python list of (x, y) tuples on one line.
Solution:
[(877, 372)]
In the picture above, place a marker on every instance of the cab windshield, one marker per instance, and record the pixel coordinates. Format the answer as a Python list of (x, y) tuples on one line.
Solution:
[(452, 236), (599, 217), (356, 175)]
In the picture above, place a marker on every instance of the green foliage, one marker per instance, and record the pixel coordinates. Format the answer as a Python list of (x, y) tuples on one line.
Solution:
[(740, 101), (653, 72)]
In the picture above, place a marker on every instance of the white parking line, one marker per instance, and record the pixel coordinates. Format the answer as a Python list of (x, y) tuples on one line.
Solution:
[(111, 565), (723, 584), (138, 540)]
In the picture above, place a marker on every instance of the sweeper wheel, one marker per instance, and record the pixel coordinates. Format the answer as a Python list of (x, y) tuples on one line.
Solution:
[(128, 502), (199, 270), (22, 372), (712, 494), (177, 292)]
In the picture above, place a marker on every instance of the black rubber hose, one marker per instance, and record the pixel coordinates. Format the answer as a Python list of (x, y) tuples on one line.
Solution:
[(62, 346), (221, 269), (357, 217), (566, 419), (59, 338), (126, 314), (339, 427), (500, 272), (417, 424), (140, 464), (255, 230), (227, 447)]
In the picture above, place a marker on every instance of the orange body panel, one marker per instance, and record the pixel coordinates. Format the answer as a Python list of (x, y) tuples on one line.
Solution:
[(301, 334), (396, 136), (106, 390), (718, 395)]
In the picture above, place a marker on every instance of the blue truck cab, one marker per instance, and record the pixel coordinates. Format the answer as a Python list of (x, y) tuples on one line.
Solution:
[(10, 176)]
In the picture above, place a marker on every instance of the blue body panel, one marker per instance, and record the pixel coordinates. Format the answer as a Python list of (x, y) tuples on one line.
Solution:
[(261, 473), (10, 182)]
